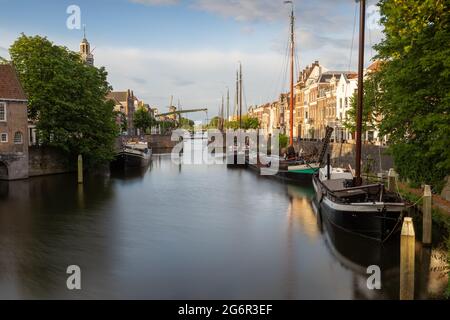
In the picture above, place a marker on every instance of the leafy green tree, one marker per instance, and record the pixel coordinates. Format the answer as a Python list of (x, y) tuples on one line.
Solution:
[(371, 110), (250, 123), (213, 123), (415, 87), (66, 97), (283, 140), (143, 119), (166, 126), (187, 124), (232, 125), (247, 123)]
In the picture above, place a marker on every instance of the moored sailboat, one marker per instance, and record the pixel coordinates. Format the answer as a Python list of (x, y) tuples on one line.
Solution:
[(349, 203), (136, 154)]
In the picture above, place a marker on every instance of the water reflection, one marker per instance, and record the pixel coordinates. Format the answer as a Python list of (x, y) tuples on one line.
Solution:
[(183, 232)]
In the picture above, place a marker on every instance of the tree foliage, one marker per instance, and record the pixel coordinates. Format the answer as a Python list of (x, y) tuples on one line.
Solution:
[(247, 123), (415, 87), (371, 110), (187, 124), (143, 119), (66, 98)]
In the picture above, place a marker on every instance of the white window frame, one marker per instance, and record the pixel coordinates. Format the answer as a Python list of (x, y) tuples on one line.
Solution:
[(21, 137), (3, 134), (6, 111)]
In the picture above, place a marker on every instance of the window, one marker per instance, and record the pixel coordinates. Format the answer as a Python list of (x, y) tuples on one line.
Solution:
[(3, 137), (18, 137), (2, 111), (340, 103), (346, 102)]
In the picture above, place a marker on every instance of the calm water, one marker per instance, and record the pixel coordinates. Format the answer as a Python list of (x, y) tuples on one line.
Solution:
[(185, 232)]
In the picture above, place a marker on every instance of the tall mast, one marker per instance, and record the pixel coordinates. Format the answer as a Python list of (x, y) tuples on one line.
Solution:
[(240, 95), (236, 106), (221, 115), (291, 109), (362, 16), (228, 104)]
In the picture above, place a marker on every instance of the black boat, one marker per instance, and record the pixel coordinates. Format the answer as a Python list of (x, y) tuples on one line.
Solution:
[(344, 198), (368, 210), (133, 155)]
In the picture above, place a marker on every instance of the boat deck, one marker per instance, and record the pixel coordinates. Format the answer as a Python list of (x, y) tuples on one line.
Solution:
[(334, 184)]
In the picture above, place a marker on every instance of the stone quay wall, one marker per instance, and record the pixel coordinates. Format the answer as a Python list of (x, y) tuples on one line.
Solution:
[(343, 154), (45, 161)]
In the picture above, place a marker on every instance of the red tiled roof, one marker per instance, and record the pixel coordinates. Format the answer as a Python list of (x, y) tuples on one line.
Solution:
[(118, 96), (375, 66), (10, 87)]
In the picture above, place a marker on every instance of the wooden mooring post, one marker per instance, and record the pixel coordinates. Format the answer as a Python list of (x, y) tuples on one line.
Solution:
[(427, 217), (392, 180), (80, 169), (407, 258)]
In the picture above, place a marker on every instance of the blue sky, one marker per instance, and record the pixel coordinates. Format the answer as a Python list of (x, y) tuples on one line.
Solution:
[(190, 48)]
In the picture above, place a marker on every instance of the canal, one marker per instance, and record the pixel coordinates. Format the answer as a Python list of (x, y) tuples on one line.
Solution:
[(187, 232)]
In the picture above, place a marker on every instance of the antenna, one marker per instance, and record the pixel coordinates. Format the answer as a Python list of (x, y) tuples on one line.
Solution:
[(84, 31)]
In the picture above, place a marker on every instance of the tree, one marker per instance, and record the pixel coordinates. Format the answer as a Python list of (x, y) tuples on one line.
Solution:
[(371, 110), (143, 119), (67, 98), (247, 123), (283, 140), (187, 124), (250, 123), (214, 123), (415, 87)]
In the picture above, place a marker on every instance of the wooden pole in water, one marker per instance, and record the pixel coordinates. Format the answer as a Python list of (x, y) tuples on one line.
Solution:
[(427, 217), (80, 169), (407, 256), (392, 180)]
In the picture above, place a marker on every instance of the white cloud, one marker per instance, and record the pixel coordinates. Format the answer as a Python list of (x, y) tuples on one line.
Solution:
[(197, 78), (243, 10), (156, 2)]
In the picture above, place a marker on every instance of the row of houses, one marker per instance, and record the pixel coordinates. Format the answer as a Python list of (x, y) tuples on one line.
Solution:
[(322, 98)]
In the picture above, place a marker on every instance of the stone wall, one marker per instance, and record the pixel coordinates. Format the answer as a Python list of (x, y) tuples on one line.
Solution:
[(44, 161), (343, 154), (14, 166)]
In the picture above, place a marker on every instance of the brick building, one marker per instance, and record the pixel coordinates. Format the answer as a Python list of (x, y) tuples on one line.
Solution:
[(13, 126), (125, 103)]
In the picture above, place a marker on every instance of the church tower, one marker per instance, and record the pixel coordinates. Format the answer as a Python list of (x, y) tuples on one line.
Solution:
[(85, 51)]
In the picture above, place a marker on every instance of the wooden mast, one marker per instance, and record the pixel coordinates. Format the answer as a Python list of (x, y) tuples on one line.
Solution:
[(362, 16), (222, 120), (291, 110), (228, 104), (240, 95), (236, 107)]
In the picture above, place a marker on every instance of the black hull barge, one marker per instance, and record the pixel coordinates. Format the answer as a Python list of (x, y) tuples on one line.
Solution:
[(367, 210)]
